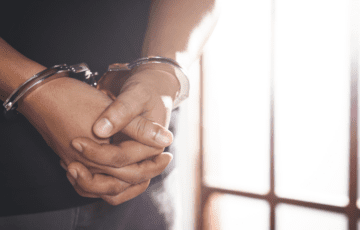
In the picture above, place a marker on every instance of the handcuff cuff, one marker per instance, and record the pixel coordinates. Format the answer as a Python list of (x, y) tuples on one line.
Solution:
[(120, 71), (45, 76)]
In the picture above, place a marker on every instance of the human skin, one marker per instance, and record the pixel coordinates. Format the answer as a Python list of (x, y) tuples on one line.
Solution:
[(64, 109), (178, 30), (154, 109)]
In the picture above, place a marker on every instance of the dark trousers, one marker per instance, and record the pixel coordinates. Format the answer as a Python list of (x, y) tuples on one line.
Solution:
[(153, 209)]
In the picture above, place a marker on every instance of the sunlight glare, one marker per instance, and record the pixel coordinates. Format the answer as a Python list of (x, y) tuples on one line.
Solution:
[(312, 100), (237, 99)]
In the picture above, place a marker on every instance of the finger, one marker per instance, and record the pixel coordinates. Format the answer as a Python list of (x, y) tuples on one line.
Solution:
[(63, 165), (140, 172), (98, 184), (129, 104), (148, 132), (78, 189), (128, 194), (127, 152), (85, 194)]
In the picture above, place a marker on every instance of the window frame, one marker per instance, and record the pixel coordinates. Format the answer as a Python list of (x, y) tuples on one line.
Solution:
[(351, 211)]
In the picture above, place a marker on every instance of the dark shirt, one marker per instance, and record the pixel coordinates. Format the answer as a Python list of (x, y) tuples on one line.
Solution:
[(55, 32)]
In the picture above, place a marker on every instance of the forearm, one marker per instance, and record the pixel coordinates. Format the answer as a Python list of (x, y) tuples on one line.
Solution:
[(15, 69), (178, 29)]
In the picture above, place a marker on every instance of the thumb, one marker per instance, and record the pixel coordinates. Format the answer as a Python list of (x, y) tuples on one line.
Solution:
[(128, 105)]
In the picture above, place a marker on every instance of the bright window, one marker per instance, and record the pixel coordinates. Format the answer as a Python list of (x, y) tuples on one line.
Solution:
[(280, 116)]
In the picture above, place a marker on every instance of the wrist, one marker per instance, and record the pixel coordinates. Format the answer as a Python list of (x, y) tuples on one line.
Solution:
[(45, 76), (161, 73), (161, 76), (176, 71), (18, 76), (35, 99), (15, 69)]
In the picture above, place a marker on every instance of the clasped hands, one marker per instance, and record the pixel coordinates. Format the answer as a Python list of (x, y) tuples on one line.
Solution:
[(76, 121)]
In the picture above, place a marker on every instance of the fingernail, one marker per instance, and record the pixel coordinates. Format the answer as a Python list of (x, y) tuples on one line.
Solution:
[(71, 180), (77, 146), (103, 127), (73, 173), (163, 137), (63, 165)]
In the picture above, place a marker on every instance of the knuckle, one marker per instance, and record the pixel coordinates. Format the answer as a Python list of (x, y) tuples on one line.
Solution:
[(122, 109), (141, 127)]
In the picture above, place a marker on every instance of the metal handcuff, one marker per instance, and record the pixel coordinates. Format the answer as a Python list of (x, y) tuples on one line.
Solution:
[(116, 72)]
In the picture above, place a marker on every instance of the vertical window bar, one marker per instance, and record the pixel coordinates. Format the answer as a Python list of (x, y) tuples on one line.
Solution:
[(354, 52), (204, 194), (272, 198)]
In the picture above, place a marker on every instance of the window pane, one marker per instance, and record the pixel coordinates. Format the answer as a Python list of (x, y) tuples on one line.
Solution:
[(312, 100), (227, 212), (237, 98), (300, 218)]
